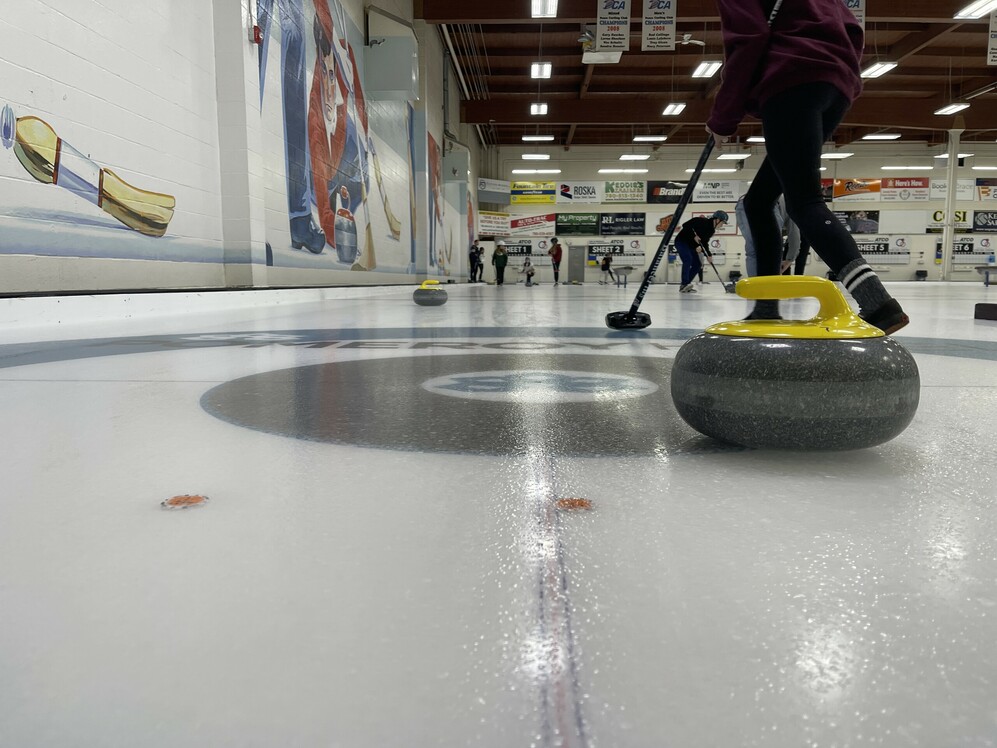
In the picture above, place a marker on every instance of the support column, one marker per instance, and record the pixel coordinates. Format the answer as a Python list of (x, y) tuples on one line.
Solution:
[(948, 231), (237, 81)]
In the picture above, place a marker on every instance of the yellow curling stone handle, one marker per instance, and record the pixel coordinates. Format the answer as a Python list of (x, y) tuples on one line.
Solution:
[(430, 285), (835, 319)]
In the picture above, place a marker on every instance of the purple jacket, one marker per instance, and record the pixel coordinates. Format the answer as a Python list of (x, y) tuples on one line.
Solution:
[(810, 41)]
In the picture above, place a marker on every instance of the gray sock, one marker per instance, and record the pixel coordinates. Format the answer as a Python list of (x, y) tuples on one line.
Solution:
[(864, 285)]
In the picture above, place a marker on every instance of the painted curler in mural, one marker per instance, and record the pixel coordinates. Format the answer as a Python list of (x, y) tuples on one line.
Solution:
[(51, 160)]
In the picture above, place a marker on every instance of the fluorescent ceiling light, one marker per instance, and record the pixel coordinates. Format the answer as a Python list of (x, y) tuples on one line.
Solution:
[(882, 136), (536, 157), (673, 109), (823, 168), (877, 69), (544, 8), (634, 157), (538, 138), (734, 156), (836, 155), (712, 171), (540, 70), (706, 69), (650, 138), (623, 171), (958, 155), (906, 168), (977, 10), (756, 139), (538, 108), (952, 108), (536, 171), (985, 168)]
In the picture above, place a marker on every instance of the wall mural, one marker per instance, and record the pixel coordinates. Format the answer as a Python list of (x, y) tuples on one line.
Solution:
[(333, 140), (51, 160)]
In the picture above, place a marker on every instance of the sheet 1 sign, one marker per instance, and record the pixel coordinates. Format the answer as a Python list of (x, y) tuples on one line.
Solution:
[(621, 224), (577, 224), (519, 247)]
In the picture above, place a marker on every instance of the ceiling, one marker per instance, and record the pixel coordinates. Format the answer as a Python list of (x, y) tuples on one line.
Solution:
[(493, 44)]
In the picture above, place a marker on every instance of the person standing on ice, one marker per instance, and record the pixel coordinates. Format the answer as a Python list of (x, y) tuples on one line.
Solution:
[(795, 66)]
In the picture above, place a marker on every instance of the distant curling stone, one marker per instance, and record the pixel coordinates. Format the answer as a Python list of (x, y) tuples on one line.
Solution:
[(829, 383), (430, 294)]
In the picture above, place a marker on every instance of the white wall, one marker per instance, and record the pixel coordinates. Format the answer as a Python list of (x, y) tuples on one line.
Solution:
[(167, 96), (130, 86)]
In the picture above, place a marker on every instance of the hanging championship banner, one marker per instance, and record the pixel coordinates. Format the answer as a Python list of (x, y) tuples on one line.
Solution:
[(533, 225), (658, 29), (857, 7), (577, 224), (613, 30), (992, 45), (493, 224), (580, 192), (905, 189)]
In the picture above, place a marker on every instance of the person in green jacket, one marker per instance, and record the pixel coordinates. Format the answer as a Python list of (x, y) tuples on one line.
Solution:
[(500, 259)]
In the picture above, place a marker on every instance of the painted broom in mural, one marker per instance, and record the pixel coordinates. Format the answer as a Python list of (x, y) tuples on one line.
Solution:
[(51, 160)]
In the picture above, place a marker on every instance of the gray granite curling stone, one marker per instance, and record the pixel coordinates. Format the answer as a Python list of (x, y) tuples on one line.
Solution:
[(429, 294), (796, 394)]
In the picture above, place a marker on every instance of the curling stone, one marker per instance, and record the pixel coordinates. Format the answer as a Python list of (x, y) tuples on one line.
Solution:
[(829, 383), (429, 294)]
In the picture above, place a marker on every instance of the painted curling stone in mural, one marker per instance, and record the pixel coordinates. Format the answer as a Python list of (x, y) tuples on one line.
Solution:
[(430, 294), (51, 160), (832, 382)]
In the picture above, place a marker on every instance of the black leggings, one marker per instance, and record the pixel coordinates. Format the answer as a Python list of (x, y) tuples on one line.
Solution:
[(796, 123)]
